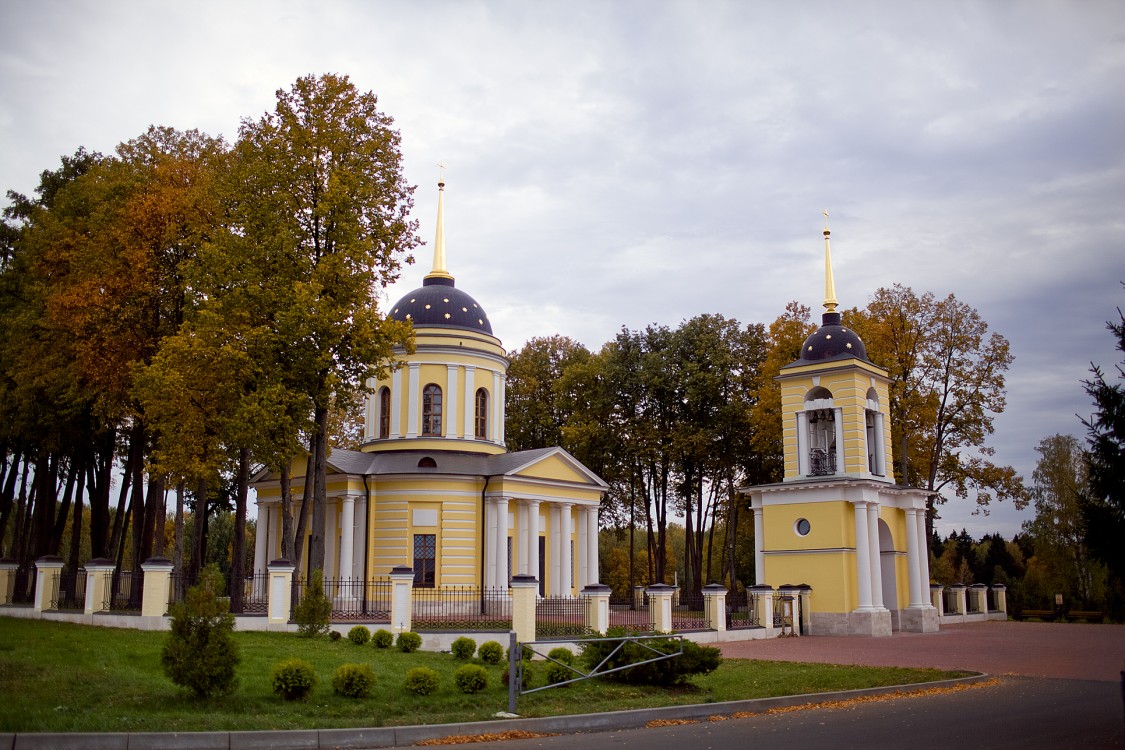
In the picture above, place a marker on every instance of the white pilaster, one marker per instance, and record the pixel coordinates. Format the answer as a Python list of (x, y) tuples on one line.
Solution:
[(591, 545), (496, 418), (501, 544), (533, 538), (449, 424), (413, 417), (583, 557), (802, 446), (760, 547), (880, 445), (554, 524), (260, 550), (489, 543), (876, 557), (862, 556), (347, 536), (396, 402), (521, 553), (838, 425), (923, 554), (468, 431)]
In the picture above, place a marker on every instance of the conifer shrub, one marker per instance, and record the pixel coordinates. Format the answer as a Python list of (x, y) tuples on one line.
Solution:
[(359, 635), (311, 613), (464, 647), (293, 679), (383, 638), (422, 681), (694, 660), (200, 654), (490, 652), (471, 678), (334, 635), (353, 680), (408, 642)]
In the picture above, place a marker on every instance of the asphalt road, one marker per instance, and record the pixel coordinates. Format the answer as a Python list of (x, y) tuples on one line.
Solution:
[(1019, 712)]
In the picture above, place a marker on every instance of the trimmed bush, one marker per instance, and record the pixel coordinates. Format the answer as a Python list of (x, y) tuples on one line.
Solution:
[(694, 660), (528, 675), (334, 635), (359, 635), (471, 678), (353, 680), (527, 653), (293, 679), (408, 642), (464, 647), (563, 654), (311, 613), (557, 672), (490, 652), (200, 653), (383, 638), (421, 681)]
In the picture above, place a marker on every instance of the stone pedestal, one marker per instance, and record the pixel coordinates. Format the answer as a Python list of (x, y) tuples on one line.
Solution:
[(47, 570), (919, 620), (154, 594), (869, 622), (402, 594), (1000, 592), (525, 590), (596, 596), (936, 591), (790, 609), (715, 606), (98, 572), (660, 607), (280, 592), (763, 605), (8, 568)]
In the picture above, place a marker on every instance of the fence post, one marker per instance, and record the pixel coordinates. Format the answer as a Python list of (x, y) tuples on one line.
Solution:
[(638, 597), (660, 607), (806, 609), (402, 584), (98, 571), (959, 591), (597, 607), (524, 590), (979, 592), (715, 606), (763, 605), (936, 591), (1001, 593), (8, 568), (280, 592), (47, 569), (154, 595)]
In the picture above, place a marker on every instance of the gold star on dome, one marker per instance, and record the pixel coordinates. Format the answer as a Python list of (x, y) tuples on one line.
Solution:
[(810, 347), (464, 309), (849, 345), (828, 337), (427, 307), (445, 300), (447, 316)]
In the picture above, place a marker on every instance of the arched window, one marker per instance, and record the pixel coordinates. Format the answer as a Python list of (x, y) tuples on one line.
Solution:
[(431, 410), (481, 425), (384, 412), (820, 417), (873, 424)]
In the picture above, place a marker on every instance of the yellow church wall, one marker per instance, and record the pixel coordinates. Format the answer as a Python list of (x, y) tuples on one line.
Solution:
[(831, 525), (824, 572)]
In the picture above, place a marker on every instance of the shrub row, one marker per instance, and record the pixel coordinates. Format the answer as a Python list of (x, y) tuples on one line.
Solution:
[(294, 679)]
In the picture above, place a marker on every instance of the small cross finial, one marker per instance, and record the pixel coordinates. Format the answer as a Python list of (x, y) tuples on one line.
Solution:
[(441, 172), (826, 218)]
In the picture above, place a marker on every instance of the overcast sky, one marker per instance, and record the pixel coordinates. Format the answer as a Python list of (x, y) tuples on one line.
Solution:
[(618, 164)]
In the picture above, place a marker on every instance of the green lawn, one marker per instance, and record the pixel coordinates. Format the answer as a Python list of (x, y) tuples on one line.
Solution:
[(60, 677)]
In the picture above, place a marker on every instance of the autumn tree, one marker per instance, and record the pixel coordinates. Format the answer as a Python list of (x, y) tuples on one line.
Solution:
[(947, 375), (538, 403), (323, 214)]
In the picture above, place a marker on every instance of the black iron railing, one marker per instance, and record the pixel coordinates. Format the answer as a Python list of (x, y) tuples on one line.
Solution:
[(68, 590), (630, 614), (461, 608), (822, 462), (561, 617), (688, 613), (123, 591)]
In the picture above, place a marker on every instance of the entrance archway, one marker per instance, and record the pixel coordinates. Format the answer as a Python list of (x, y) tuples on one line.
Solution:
[(887, 566)]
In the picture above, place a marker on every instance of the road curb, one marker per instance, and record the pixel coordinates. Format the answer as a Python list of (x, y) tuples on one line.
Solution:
[(377, 737)]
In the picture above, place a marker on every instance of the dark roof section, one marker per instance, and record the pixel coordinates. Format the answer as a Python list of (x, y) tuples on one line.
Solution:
[(445, 462), (438, 303), (832, 341)]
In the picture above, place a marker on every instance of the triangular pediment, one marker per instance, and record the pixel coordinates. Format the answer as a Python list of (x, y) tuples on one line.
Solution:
[(554, 465)]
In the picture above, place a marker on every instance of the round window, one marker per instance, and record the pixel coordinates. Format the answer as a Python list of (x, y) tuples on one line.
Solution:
[(802, 527)]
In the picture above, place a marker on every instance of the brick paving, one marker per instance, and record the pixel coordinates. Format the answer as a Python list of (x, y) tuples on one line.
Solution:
[(1033, 649)]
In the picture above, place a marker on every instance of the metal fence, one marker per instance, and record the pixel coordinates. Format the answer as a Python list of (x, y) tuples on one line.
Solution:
[(68, 591), (949, 602), (561, 617), (359, 600), (462, 608), (628, 613), (972, 603), (688, 614), (741, 612), (123, 591), (990, 601)]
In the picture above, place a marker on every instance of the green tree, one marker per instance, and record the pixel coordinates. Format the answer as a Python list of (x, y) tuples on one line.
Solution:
[(200, 653), (538, 404)]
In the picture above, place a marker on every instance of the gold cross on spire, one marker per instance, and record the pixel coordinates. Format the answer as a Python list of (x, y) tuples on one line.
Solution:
[(441, 173)]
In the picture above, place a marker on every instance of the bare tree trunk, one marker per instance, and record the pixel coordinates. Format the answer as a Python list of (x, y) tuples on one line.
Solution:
[(286, 515), (303, 519), (319, 509), (161, 521), (178, 544), (74, 558), (64, 508), (238, 544)]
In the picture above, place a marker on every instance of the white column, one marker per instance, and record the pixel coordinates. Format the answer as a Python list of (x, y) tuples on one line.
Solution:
[(759, 548), (331, 535), (414, 403), (260, 550), (396, 402), (591, 545), (565, 563), (876, 556), (489, 543), (912, 571), (501, 543), (496, 418), (533, 538), (449, 408), (520, 544), (555, 523), (862, 556), (802, 445), (880, 446), (469, 430), (583, 557), (838, 424), (359, 538), (923, 555), (347, 535)]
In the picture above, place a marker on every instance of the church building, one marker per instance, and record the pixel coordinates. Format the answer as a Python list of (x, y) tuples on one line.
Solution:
[(838, 522), (432, 486)]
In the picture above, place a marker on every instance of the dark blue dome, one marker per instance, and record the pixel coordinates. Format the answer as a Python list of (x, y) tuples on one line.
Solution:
[(438, 303), (832, 341)]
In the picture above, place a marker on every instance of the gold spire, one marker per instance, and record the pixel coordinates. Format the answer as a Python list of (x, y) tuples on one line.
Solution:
[(829, 284), (439, 270)]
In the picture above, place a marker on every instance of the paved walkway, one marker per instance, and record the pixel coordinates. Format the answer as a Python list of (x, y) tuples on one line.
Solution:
[(1034, 649)]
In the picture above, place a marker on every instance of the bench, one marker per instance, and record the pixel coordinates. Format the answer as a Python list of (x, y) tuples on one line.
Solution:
[(1078, 614), (1038, 614)]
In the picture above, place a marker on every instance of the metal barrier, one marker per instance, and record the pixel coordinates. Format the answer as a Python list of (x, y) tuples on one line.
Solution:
[(689, 614), (462, 608), (626, 613), (560, 617), (68, 591)]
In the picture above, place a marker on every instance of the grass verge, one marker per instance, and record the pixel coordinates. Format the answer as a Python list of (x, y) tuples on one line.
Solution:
[(60, 677)]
